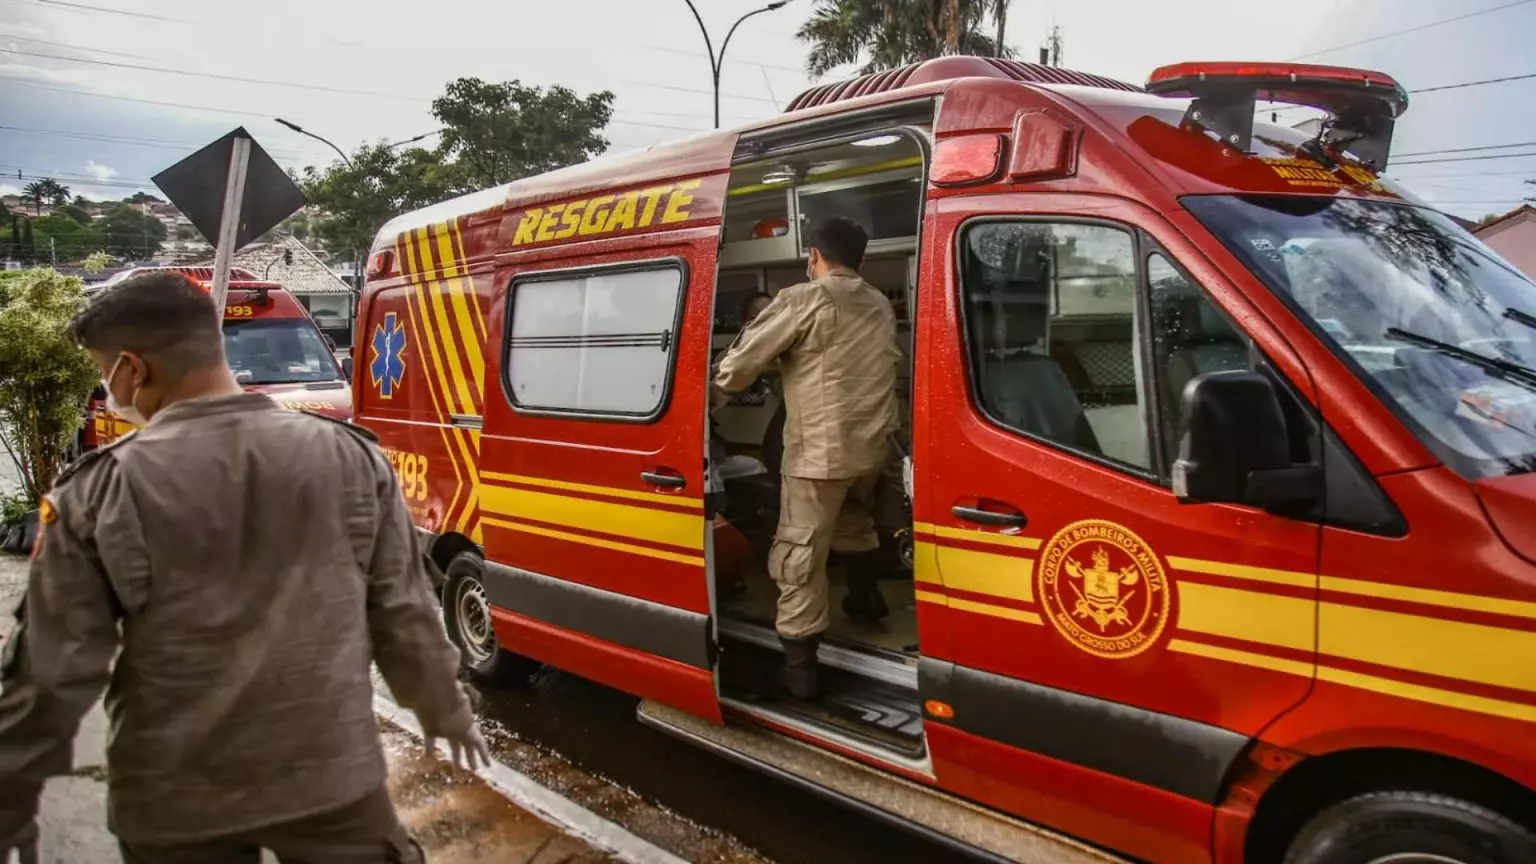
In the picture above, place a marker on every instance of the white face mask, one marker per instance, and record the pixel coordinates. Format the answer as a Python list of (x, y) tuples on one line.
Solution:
[(127, 412), (810, 270)]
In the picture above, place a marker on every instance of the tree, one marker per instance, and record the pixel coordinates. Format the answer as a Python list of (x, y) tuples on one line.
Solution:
[(142, 198), (59, 235), (886, 34), (36, 192), (492, 133), (15, 237), (58, 193), (75, 212), (45, 379), (131, 235), (28, 247), (96, 262), (495, 133)]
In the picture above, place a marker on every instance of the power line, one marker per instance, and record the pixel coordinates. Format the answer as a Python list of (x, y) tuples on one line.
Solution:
[(1474, 83), (1416, 29), (21, 83), (1465, 149), (85, 8), (316, 87), (51, 44), (215, 76), (137, 142), (1463, 159)]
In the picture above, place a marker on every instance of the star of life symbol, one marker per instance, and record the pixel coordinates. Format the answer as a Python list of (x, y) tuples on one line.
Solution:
[(387, 368)]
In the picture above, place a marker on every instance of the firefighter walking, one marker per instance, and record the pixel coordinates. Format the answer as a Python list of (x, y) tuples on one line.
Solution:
[(834, 339), (245, 564)]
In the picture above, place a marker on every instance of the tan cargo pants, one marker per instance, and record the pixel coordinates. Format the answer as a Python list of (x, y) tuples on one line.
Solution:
[(367, 832), (817, 517)]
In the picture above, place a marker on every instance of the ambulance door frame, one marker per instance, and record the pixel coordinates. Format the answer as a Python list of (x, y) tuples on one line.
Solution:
[(896, 119)]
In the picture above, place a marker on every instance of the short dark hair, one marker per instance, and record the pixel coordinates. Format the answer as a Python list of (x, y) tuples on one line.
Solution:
[(840, 240), (743, 311), (164, 315)]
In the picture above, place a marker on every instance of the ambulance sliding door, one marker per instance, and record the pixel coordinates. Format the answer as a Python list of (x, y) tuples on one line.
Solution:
[(592, 459)]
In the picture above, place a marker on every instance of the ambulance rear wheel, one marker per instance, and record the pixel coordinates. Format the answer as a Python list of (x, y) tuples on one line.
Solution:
[(467, 615), (1411, 828)]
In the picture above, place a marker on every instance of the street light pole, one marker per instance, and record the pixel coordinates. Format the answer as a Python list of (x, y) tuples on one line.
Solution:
[(295, 127), (716, 61)]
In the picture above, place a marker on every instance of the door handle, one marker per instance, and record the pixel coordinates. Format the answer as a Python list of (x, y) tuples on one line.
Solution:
[(666, 481), (989, 517)]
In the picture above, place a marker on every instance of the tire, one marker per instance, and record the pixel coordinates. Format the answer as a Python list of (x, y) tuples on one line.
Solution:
[(467, 616), (1411, 828)]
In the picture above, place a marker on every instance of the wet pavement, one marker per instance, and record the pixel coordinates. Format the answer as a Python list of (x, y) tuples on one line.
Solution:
[(582, 739)]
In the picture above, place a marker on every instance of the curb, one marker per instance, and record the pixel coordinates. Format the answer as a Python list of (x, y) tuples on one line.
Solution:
[(545, 803)]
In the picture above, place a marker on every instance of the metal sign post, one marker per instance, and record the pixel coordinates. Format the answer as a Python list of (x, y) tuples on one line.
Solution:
[(229, 224)]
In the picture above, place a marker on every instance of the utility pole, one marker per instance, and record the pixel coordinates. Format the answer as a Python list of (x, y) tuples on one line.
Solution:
[(716, 61), (53, 254)]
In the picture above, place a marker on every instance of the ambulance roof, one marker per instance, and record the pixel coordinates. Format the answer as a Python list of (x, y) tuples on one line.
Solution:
[(708, 151), (1117, 102)]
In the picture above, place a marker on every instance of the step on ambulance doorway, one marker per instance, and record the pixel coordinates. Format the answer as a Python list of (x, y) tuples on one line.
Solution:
[(868, 672)]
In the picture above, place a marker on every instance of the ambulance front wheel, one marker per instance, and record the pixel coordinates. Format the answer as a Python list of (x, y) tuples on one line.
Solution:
[(1411, 828), (467, 615)]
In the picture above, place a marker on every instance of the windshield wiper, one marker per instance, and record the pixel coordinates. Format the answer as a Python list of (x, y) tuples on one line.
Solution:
[(1502, 368), (1519, 317)]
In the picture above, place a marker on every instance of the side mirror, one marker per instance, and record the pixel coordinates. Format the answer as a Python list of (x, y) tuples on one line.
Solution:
[(346, 367), (1234, 446)]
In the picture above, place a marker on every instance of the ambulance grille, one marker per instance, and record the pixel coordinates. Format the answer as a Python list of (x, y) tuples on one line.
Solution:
[(947, 68)]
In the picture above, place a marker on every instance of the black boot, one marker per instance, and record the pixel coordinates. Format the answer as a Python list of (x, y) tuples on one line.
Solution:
[(864, 602), (799, 674)]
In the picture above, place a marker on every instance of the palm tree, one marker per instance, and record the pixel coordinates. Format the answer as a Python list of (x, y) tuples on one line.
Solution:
[(58, 193), (891, 33), (36, 191)]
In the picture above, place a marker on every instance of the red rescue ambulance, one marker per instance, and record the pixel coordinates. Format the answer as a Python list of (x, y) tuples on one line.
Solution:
[(1218, 448), (272, 345)]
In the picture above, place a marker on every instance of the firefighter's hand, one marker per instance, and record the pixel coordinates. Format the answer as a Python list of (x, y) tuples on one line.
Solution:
[(469, 750)]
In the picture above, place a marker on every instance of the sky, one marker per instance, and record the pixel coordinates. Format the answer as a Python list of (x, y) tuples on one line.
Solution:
[(355, 71)]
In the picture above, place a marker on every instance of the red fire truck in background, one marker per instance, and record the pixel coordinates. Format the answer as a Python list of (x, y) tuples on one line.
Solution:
[(272, 345), (1220, 453)]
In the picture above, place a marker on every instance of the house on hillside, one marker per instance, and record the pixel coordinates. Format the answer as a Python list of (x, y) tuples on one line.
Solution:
[(289, 262), (1513, 235)]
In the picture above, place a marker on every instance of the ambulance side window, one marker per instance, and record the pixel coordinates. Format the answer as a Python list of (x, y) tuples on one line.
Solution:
[(596, 342), (1051, 319), (1190, 337)]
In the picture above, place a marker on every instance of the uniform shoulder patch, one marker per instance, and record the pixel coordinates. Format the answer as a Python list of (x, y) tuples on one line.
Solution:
[(359, 431), (91, 458)]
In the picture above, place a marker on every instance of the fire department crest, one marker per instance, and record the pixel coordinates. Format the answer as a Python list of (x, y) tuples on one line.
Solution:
[(1103, 588)]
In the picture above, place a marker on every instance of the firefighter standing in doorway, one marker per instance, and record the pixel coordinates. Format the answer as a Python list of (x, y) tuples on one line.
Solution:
[(834, 338), (231, 570)]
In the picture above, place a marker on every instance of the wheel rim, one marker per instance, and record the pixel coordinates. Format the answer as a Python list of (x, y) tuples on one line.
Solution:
[(472, 616), (1415, 858)]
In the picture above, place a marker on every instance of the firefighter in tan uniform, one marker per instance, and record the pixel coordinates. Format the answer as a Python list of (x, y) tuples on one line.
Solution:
[(245, 565), (834, 339)]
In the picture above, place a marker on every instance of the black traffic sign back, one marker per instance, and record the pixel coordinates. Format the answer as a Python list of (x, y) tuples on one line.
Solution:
[(196, 186)]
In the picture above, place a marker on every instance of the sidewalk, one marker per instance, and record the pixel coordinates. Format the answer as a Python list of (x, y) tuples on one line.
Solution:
[(455, 817)]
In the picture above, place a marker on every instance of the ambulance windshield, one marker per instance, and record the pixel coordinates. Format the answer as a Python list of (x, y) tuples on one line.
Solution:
[(277, 351), (1437, 324)]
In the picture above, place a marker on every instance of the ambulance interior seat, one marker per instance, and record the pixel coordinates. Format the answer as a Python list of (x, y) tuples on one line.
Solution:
[(1022, 385)]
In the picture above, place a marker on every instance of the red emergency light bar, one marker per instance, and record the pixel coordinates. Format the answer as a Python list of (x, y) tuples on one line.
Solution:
[(1361, 104)]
